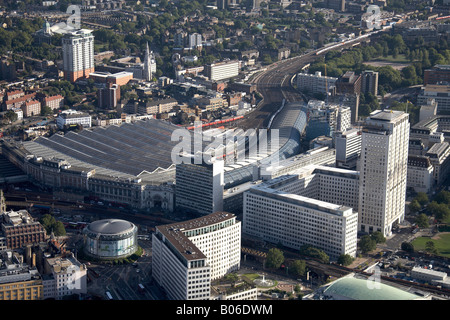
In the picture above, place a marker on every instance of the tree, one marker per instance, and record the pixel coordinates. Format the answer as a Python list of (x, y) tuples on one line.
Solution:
[(443, 197), (378, 237), (430, 247), (51, 225), (274, 258), (422, 221), (231, 277), (46, 110), (11, 115), (407, 246), (367, 244), (298, 268), (414, 206), (345, 259), (422, 198), (439, 210), (310, 251)]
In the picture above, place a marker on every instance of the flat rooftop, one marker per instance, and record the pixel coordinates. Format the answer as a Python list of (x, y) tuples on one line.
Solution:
[(385, 115), (174, 233)]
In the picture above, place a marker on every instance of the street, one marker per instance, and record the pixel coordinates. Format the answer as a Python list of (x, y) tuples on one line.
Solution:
[(122, 280)]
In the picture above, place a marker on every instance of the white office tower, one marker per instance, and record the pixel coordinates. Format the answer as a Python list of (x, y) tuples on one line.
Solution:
[(78, 54), (344, 119), (348, 148), (195, 40), (199, 187), (187, 256), (222, 70), (149, 65), (383, 171), (310, 206)]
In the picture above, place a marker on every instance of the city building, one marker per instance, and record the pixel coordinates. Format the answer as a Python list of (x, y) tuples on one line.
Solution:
[(369, 83), (310, 206), (110, 239), (54, 102), (108, 96), (433, 277), (428, 110), (73, 117), (420, 173), (194, 41), (31, 108), (199, 187), (106, 163), (441, 95), (439, 155), (149, 66), (222, 70), (18, 101), (324, 156), (20, 229), (315, 83), (348, 148), (325, 119), (336, 5), (188, 255), (348, 87), (78, 54), (437, 74), (383, 170), (157, 106), (18, 281)]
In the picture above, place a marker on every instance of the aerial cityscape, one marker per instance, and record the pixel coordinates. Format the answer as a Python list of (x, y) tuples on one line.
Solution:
[(225, 150)]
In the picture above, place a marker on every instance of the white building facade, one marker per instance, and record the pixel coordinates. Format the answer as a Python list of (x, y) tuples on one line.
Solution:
[(383, 171), (73, 117), (78, 54), (315, 83), (222, 70), (188, 255), (199, 187), (312, 206)]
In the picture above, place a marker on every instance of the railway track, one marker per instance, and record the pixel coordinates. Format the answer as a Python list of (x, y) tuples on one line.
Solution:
[(274, 84)]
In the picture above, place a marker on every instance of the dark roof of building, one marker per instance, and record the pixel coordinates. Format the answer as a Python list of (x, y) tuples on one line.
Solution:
[(175, 233)]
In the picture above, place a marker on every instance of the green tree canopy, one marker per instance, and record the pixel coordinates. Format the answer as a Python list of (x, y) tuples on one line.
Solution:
[(422, 198), (367, 244), (439, 210), (430, 247), (378, 237), (414, 206), (310, 251), (407, 246), (345, 259), (422, 221), (52, 225), (443, 197), (274, 258), (298, 268)]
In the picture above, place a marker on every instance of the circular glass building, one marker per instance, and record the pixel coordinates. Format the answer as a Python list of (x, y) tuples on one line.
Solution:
[(110, 239)]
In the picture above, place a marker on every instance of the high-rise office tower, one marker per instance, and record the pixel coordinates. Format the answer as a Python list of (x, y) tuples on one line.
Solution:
[(369, 82), (383, 169), (199, 187), (149, 65), (78, 54), (188, 255)]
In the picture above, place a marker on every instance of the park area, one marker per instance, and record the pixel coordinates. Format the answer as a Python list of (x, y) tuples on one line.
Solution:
[(441, 243)]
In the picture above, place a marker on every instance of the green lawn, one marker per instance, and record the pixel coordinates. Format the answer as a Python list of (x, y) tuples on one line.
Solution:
[(442, 244), (252, 276), (401, 58)]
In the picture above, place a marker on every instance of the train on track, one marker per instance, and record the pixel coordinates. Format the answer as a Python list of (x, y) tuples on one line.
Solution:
[(217, 122)]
